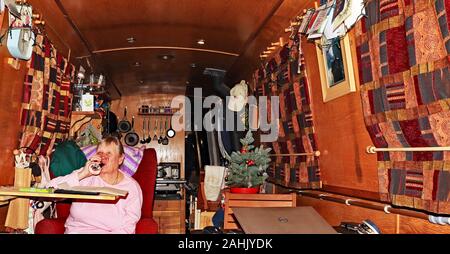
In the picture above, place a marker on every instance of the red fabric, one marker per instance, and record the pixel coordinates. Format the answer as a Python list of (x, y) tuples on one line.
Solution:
[(63, 209), (447, 10), (145, 176), (147, 181), (397, 50), (147, 226), (50, 226)]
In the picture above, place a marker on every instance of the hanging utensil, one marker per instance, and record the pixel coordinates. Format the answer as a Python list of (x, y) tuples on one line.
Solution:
[(149, 138), (155, 137), (170, 132), (160, 132), (143, 140), (165, 140), (124, 125), (132, 138)]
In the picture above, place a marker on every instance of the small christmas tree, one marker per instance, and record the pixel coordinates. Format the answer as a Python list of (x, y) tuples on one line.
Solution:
[(247, 168)]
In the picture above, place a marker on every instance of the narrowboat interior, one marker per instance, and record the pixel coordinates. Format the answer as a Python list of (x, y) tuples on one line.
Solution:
[(218, 117)]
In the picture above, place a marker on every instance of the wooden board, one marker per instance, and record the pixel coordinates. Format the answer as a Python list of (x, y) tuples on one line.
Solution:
[(14, 192), (343, 161), (170, 215), (4, 200)]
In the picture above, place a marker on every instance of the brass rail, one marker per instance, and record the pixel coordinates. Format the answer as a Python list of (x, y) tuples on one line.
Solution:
[(372, 149)]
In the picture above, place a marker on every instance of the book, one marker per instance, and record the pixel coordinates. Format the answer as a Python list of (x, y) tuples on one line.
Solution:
[(329, 33), (316, 30), (305, 21), (32, 189), (103, 190), (347, 13)]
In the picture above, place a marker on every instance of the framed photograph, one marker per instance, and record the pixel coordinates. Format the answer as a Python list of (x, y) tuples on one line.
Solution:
[(336, 67)]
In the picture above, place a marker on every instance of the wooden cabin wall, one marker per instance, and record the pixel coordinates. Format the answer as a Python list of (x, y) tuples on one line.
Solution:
[(174, 151), (11, 83), (341, 134), (344, 164)]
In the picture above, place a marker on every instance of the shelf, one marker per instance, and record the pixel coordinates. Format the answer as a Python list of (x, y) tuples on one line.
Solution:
[(12, 192), (156, 114), (83, 112), (93, 114), (91, 85)]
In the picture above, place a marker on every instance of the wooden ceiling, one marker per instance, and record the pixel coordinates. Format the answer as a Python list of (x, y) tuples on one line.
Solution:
[(235, 31)]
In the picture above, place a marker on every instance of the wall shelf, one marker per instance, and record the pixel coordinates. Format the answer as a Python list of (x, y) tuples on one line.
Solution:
[(93, 114), (155, 114)]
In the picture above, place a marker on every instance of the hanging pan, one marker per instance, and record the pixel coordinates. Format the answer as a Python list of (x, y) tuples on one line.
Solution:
[(170, 132), (124, 125), (132, 138)]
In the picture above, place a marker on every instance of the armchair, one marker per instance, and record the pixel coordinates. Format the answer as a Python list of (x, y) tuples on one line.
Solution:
[(145, 176)]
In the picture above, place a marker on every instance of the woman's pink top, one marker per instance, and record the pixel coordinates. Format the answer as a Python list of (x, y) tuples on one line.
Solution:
[(103, 217)]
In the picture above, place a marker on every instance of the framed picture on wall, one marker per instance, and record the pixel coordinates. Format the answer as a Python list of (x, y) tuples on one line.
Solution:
[(336, 68)]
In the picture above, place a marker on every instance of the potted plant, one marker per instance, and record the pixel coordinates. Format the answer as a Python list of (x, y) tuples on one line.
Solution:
[(247, 168)]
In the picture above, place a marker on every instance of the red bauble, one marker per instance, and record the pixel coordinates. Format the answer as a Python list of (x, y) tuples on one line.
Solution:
[(250, 163), (243, 151)]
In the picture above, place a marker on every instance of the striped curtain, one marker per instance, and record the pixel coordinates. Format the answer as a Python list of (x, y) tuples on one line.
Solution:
[(403, 49), (285, 76), (47, 98)]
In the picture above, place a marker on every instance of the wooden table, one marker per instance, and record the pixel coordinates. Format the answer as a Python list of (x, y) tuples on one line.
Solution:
[(8, 193)]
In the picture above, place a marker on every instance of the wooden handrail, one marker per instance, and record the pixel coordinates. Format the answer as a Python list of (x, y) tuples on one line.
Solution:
[(365, 204), (315, 153), (373, 149)]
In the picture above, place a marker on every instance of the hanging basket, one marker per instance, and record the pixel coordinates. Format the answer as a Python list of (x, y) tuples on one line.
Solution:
[(252, 190)]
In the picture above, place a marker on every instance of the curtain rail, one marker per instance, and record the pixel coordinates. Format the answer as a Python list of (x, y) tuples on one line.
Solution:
[(316, 153), (372, 149)]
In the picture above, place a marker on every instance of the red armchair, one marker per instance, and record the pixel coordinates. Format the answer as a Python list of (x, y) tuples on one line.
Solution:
[(145, 176)]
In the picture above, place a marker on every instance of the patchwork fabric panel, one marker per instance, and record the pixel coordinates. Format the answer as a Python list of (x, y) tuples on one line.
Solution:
[(285, 76), (403, 58), (47, 99)]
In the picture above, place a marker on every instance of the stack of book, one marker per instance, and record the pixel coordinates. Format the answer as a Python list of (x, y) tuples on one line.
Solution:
[(331, 20), (318, 21)]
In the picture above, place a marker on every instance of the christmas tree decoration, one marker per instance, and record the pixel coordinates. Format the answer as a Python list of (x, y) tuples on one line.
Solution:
[(247, 167)]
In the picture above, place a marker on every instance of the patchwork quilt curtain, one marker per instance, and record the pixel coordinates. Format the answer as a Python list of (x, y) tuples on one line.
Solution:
[(403, 49), (47, 98), (285, 76)]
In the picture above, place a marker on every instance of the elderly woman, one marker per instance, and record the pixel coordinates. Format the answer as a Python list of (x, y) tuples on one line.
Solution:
[(100, 217)]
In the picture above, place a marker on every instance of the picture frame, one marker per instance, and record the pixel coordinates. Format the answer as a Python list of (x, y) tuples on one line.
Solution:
[(337, 74)]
